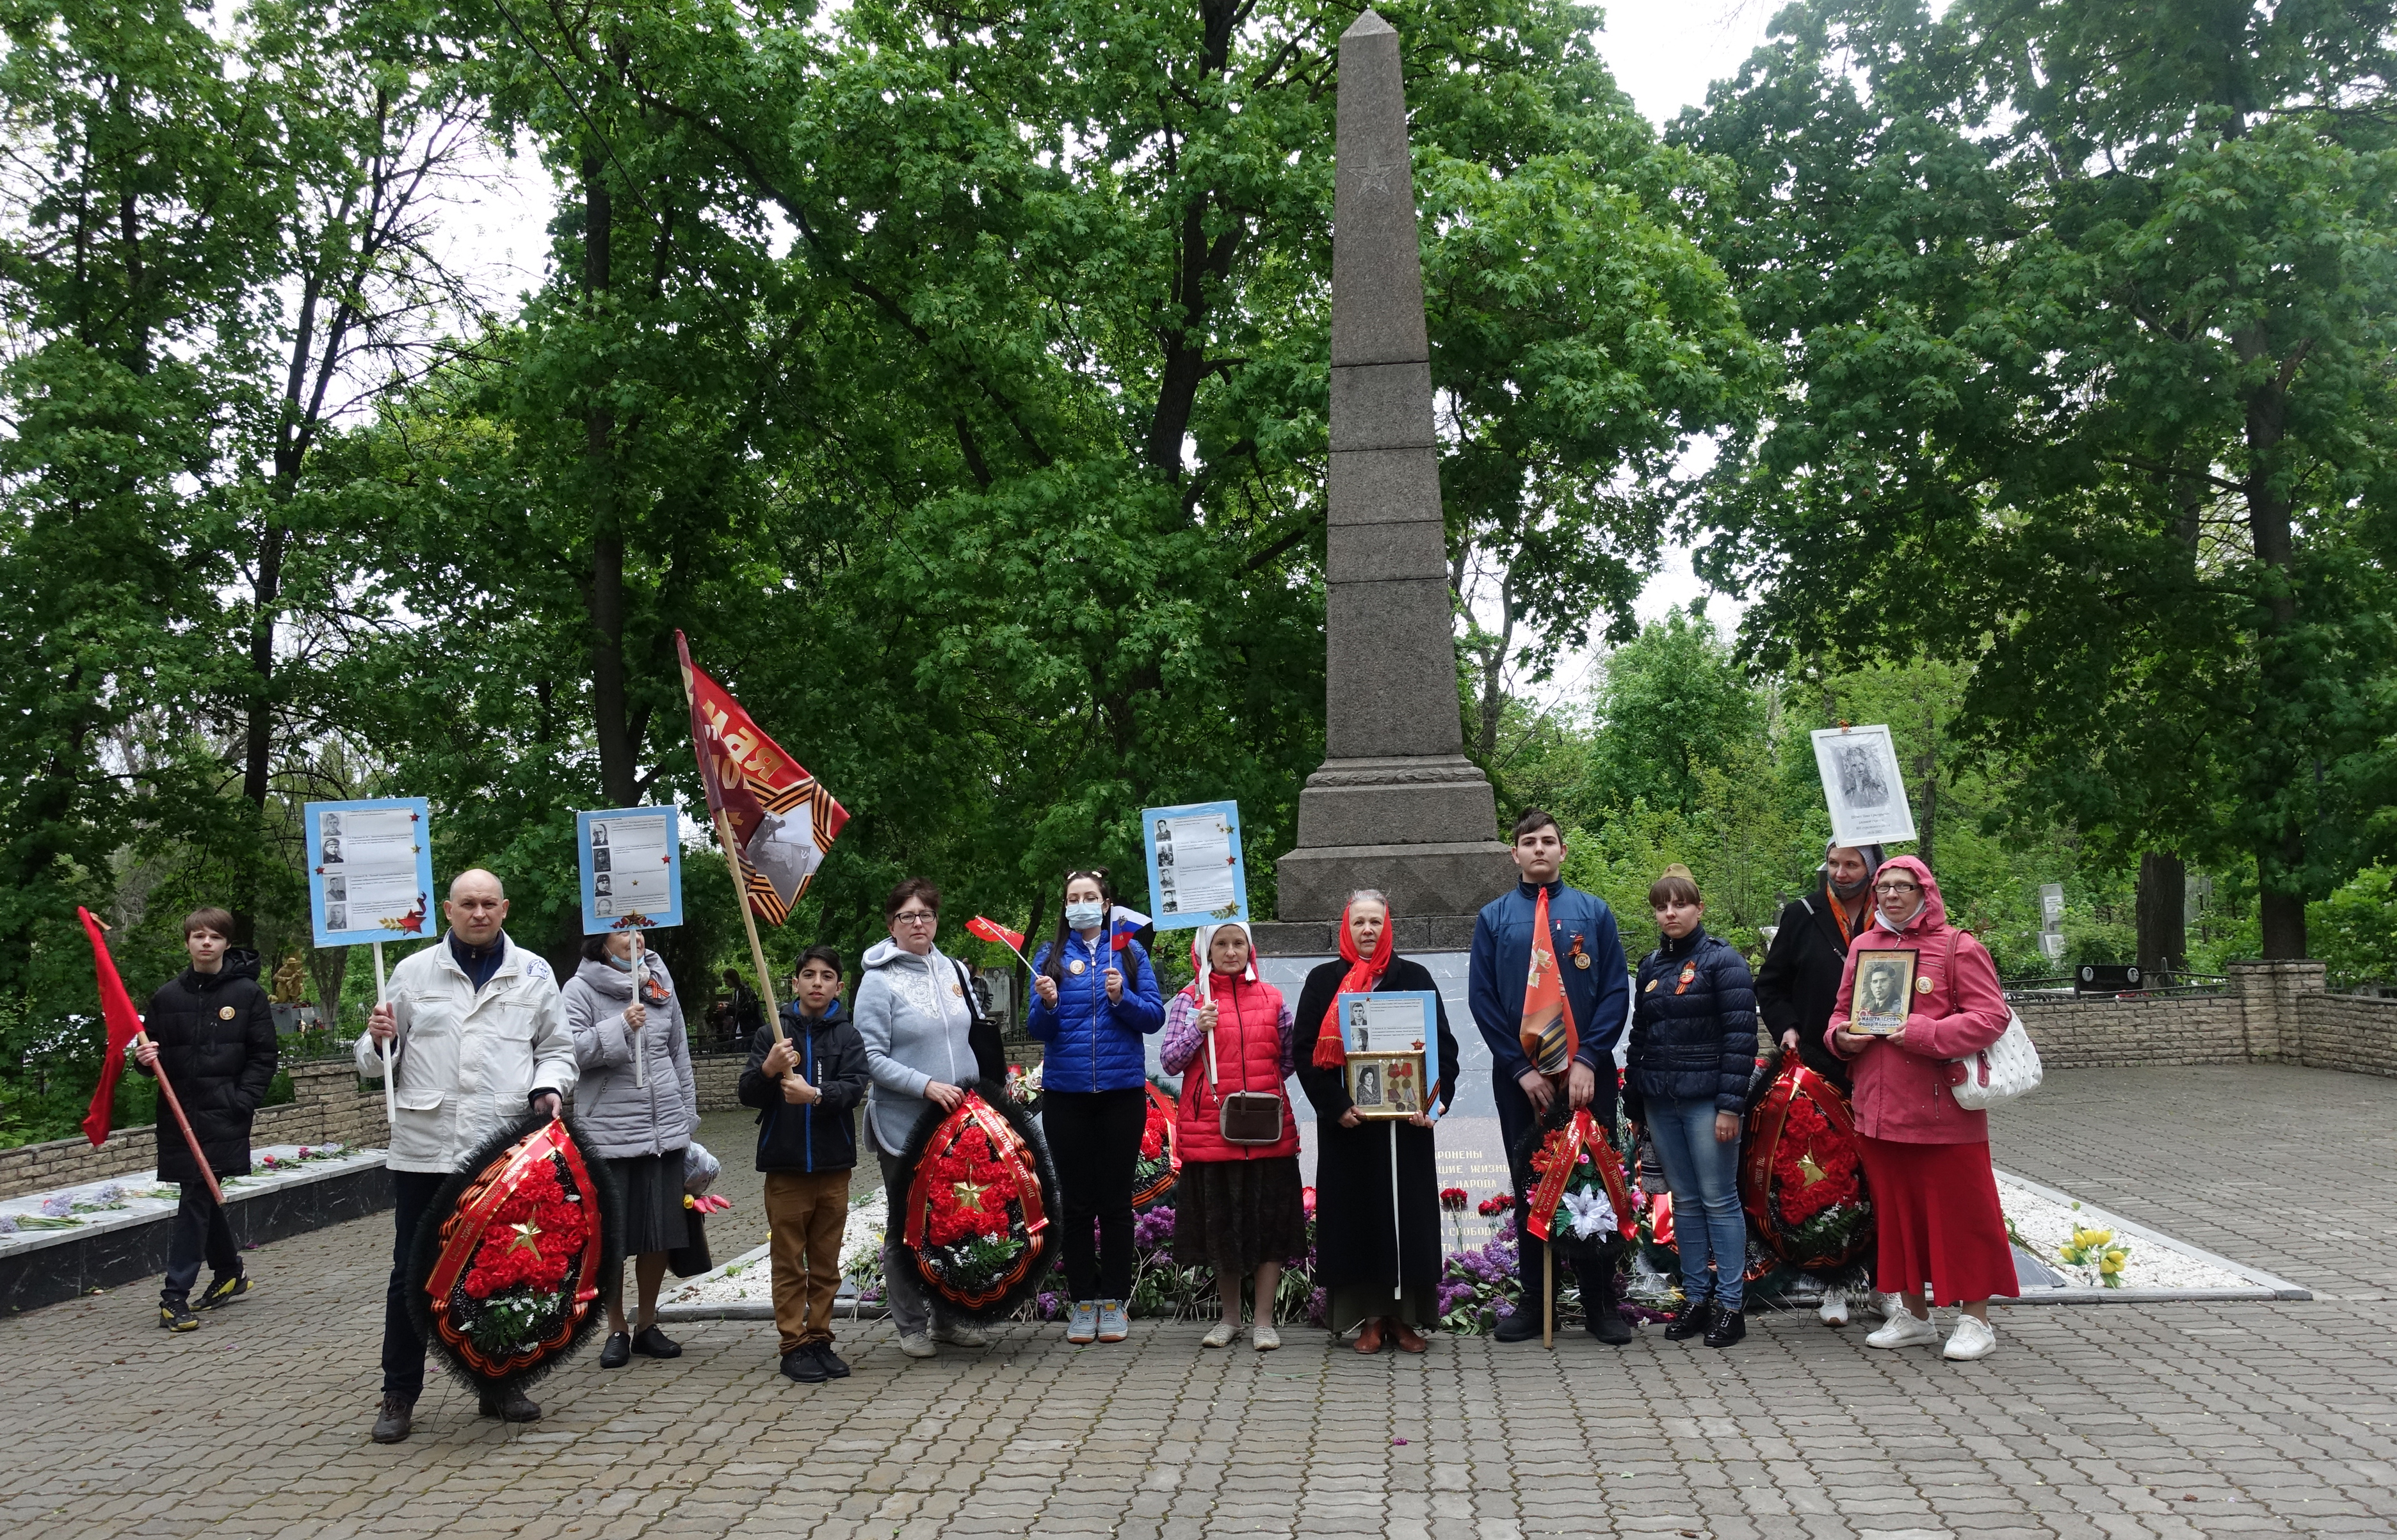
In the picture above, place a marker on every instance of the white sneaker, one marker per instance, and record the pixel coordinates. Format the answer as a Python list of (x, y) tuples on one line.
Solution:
[(1834, 1308), (1266, 1337), (1219, 1335), (1973, 1338), (1114, 1323), (916, 1345), (1082, 1321), (1887, 1305), (963, 1333), (1904, 1330)]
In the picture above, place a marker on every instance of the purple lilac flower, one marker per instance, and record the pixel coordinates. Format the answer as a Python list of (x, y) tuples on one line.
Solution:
[(1049, 1303), (7, 1224), (1153, 1229), (58, 1207), (1318, 1307)]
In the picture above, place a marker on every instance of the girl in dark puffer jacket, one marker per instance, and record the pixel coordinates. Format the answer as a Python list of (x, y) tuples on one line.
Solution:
[(1693, 1045)]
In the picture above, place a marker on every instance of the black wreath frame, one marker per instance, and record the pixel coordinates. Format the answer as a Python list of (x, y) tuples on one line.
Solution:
[(918, 1140), (1568, 1247), (424, 1252)]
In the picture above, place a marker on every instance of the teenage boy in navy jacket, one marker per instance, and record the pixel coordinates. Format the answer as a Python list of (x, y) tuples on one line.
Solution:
[(1598, 989), (806, 1089)]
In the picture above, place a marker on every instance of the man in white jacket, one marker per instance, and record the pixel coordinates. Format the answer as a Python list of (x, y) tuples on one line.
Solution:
[(476, 1036)]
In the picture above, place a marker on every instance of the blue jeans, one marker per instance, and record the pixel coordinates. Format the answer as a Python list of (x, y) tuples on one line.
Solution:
[(1704, 1175)]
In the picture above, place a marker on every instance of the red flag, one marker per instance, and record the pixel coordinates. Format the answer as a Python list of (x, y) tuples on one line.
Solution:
[(783, 819), (992, 930), (1548, 1030), (124, 1026)]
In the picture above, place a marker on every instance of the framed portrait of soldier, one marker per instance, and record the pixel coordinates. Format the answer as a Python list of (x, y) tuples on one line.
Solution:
[(1884, 992), (1386, 1084)]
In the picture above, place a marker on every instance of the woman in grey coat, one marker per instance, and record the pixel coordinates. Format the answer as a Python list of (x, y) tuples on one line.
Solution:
[(638, 1107), (914, 1013)]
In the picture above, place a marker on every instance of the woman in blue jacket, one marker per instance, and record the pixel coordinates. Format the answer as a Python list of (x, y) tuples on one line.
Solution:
[(1093, 1005), (1692, 1047)]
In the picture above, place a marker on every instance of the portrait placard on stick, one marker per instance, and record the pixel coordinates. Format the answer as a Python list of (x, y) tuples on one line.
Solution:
[(1862, 783), (1196, 876), (369, 870), (632, 868)]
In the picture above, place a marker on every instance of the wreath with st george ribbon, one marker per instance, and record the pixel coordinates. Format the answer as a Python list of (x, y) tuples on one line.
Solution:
[(979, 1194), (1579, 1202), (505, 1267), (1801, 1178)]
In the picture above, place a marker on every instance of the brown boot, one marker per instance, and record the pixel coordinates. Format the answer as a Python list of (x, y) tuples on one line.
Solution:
[(1407, 1337), (1369, 1336), (394, 1420)]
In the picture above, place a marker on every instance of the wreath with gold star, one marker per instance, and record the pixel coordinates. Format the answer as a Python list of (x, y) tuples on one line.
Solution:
[(976, 1223), (507, 1263), (1801, 1178)]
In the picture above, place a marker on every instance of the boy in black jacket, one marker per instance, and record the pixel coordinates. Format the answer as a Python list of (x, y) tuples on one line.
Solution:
[(212, 1028), (807, 1089)]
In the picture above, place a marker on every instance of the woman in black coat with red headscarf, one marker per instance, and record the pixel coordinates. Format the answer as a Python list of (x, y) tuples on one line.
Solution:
[(1358, 1261)]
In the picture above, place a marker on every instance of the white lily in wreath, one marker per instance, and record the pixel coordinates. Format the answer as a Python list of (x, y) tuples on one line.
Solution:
[(1591, 1214)]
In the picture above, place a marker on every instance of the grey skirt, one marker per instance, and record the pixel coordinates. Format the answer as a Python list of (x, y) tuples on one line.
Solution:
[(650, 1187)]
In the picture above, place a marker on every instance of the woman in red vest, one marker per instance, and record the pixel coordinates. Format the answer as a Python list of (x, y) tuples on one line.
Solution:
[(1237, 1207)]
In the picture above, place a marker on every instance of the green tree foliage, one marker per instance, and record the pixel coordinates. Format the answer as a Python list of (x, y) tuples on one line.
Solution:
[(2085, 318)]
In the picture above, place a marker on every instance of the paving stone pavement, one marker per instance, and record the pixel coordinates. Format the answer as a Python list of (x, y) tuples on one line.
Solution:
[(2104, 1421)]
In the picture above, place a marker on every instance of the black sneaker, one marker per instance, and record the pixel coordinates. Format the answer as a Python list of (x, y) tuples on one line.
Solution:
[(1728, 1328), (174, 1315), (1522, 1326), (1690, 1321), (831, 1361), (650, 1342), (511, 1405), (617, 1352), (394, 1420), (224, 1291), (802, 1365)]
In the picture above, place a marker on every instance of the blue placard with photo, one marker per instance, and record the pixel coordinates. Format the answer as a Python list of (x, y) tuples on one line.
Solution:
[(1196, 876), (369, 870), (1396, 1020), (632, 868)]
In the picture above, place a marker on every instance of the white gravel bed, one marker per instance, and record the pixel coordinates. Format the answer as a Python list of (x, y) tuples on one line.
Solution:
[(38, 1219), (747, 1278)]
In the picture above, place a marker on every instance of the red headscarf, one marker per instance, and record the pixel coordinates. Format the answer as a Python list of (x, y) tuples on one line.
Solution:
[(1331, 1049)]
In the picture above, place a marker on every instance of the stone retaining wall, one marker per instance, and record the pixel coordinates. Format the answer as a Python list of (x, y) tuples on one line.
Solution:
[(327, 1107), (2273, 1010)]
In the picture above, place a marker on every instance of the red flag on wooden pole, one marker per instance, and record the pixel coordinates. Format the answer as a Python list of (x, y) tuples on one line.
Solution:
[(124, 1026), (782, 819)]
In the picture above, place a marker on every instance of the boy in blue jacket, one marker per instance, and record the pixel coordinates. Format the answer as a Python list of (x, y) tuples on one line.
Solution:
[(806, 1088), (1590, 957)]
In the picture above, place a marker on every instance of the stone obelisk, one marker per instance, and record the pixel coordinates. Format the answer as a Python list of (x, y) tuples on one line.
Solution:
[(1396, 805)]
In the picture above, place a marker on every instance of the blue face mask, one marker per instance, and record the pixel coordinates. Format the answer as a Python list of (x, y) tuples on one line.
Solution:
[(1085, 916), (621, 965)]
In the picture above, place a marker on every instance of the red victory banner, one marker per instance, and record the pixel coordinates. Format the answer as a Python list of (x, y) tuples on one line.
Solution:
[(775, 818)]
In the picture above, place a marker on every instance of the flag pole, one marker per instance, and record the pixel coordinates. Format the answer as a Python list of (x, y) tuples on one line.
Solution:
[(748, 922), (640, 997), (174, 1106), (1398, 1246), (390, 1096)]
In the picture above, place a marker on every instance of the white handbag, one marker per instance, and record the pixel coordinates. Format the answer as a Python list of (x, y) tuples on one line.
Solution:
[(1998, 1074), (2001, 1072)]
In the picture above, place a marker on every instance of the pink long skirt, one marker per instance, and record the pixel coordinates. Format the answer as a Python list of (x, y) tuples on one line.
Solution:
[(1936, 1216)]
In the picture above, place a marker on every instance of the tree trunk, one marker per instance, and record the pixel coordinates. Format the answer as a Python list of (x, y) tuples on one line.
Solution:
[(2281, 855), (604, 599), (2163, 909)]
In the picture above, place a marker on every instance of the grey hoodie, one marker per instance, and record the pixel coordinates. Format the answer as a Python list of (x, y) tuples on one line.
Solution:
[(622, 1115), (913, 1014)]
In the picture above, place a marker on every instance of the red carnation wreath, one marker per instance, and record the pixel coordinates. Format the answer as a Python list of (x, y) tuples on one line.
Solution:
[(1159, 1163), (1800, 1179), (974, 1217)]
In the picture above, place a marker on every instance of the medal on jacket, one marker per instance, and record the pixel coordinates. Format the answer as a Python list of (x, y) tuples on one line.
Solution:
[(1922, 986), (1580, 958), (1651, 986), (224, 1012), (1074, 967), (1689, 971)]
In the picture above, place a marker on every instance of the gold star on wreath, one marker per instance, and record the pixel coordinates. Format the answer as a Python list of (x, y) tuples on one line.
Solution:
[(968, 1194), (1811, 1172), (528, 1237)]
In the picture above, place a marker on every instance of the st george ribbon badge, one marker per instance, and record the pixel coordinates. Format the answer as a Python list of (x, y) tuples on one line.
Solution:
[(508, 1260)]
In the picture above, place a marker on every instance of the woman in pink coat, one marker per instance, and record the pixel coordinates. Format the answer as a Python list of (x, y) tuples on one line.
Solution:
[(1927, 1159)]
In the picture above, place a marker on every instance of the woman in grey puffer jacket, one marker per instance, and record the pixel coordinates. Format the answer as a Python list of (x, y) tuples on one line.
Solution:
[(637, 1105), (917, 1020)]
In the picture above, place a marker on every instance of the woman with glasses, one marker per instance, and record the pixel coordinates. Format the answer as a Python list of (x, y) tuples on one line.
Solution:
[(1094, 1003), (917, 1019), (1942, 1239)]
